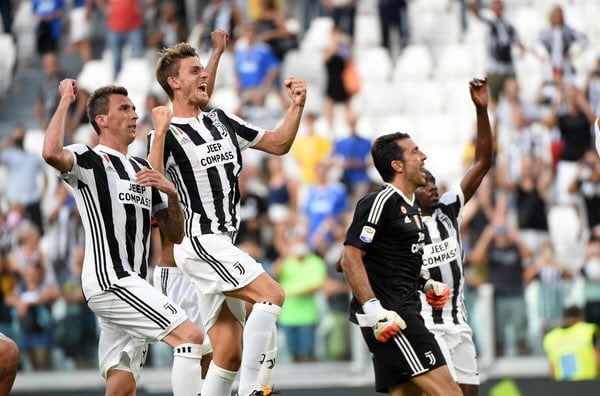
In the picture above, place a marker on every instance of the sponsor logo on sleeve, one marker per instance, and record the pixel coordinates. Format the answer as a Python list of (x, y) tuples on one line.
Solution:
[(367, 234)]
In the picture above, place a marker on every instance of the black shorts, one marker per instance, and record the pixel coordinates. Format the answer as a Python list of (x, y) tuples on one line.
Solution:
[(412, 352)]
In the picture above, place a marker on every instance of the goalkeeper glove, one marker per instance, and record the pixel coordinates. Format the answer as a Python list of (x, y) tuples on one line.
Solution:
[(436, 293), (388, 324)]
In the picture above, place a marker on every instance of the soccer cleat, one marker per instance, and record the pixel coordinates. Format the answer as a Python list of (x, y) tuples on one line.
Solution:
[(268, 391)]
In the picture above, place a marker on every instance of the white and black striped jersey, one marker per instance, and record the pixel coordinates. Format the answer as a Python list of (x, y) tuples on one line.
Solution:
[(443, 259), (203, 158), (115, 212), (387, 226)]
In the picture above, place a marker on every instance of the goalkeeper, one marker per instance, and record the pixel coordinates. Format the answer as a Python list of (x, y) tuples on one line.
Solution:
[(382, 261), (443, 255)]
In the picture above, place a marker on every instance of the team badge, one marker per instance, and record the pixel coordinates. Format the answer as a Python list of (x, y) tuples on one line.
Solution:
[(217, 124), (367, 234), (403, 210)]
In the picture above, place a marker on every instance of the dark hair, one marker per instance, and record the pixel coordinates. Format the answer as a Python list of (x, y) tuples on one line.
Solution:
[(385, 150), (98, 102), (168, 64), (572, 311)]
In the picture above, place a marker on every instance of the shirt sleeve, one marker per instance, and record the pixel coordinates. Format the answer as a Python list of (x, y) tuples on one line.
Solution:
[(72, 176), (248, 135), (362, 232)]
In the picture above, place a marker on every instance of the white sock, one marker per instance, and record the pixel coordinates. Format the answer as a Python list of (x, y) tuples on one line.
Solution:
[(257, 336), (265, 377), (186, 374), (218, 381)]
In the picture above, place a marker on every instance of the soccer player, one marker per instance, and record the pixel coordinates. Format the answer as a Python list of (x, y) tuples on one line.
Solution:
[(9, 363), (201, 153), (443, 254), (167, 277), (116, 196), (382, 262)]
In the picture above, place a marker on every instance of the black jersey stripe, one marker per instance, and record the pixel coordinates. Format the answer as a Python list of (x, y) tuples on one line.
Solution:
[(215, 264)]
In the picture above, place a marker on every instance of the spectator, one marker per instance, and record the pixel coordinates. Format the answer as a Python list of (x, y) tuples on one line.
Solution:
[(24, 170), (282, 194), (168, 29), (301, 276), (47, 98), (271, 28), (531, 186), (32, 300), (219, 14), (573, 118), (48, 14), (343, 13), (501, 36), (394, 14), (587, 183), (80, 29), (310, 149), (593, 88), (6, 12), (324, 203), (336, 55), (8, 281), (76, 332), (574, 349), (504, 252), (257, 69), (591, 273), (352, 153), (552, 278), (124, 19), (557, 42)]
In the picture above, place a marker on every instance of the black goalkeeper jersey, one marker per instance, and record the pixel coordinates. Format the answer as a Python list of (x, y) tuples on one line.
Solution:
[(389, 229)]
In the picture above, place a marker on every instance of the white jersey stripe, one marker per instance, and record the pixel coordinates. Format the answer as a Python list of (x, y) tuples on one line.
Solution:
[(97, 238), (409, 353), (378, 205)]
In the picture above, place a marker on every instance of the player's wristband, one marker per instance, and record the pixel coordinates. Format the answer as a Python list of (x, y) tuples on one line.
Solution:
[(372, 307)]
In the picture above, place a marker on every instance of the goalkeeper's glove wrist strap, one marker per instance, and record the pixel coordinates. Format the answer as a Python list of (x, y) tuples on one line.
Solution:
[(372, 306)]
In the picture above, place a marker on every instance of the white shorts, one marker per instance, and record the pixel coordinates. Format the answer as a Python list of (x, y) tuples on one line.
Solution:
[(171, 282), (130, 315), (459, 351), (216, 265), (80, 27)]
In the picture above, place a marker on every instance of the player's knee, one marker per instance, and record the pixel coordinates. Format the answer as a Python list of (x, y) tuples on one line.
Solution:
[(275, 295), (228, 358), (10, 353), (195, 336)]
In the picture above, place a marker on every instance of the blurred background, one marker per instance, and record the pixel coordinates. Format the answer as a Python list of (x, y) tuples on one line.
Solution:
[(531, 234)]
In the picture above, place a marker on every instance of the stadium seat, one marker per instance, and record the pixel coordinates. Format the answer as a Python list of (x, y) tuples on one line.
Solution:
[(95, 73), (374, 64), (315, 37), (367, 31), (414, 63), (455, 61)]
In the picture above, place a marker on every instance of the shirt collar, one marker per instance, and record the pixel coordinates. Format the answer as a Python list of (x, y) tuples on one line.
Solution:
[(411, 201)]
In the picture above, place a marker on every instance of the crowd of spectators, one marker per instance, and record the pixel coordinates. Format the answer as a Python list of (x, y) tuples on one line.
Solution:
[(532, 230)]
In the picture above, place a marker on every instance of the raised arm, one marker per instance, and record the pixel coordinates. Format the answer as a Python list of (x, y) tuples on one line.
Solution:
[(280, 140), (484, 144), (162, 121), (53, 152), (218, 39)]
